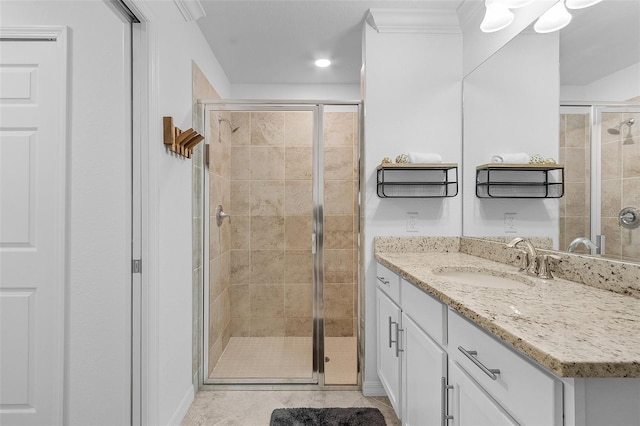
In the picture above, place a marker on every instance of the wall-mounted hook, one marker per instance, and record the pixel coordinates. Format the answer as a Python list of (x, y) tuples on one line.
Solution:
[(180, 142)]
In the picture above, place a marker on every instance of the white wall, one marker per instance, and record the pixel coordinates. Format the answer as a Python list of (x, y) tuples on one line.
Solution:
[(178, 43), (98, 301), (619, 86), (97, 346), (511, 105), (320, 92), (412, 98)]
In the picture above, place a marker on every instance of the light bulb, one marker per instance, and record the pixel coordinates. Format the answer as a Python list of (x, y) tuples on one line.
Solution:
[(553, 19), (323, 63), (580, 4), (497, 16)]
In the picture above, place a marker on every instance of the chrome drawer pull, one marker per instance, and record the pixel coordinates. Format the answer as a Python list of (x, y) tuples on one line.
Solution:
[(381, 279), (491, 372), (444, 401), (390, 340), (398, 331)]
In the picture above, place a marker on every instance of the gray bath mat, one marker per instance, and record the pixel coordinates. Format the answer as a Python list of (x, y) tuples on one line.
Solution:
[(327, 417)]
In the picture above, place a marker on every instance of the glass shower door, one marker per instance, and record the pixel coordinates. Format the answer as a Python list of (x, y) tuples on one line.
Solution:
[(618, 179), (340, 184), (261, 284), (600, 147)]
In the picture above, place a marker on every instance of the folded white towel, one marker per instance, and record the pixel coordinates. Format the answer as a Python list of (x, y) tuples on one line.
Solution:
[(512, 158), (424, 157)]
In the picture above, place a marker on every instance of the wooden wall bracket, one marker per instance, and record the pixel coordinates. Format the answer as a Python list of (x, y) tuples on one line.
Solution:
[(179, 141)]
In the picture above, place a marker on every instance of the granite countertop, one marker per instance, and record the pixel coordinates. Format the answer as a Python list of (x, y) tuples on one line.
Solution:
[(572, 329)]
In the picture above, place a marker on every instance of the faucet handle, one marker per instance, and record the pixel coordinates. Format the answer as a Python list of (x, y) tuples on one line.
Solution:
[(524, 260), (544, 271)]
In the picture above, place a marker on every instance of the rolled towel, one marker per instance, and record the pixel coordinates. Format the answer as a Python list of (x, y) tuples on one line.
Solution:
[(424, 157), (512, 158)]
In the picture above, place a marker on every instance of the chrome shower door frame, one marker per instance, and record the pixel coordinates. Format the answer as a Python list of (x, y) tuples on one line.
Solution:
[(317, 242), (595, 111)]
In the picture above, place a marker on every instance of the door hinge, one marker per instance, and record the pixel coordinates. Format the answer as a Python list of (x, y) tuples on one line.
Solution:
[(136, 266)]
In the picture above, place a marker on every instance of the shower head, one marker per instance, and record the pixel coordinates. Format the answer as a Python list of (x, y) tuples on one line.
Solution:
[(234, 128), (616, 130)]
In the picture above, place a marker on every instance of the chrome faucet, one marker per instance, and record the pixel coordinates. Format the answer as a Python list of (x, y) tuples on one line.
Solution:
[(582, 240), (530, 256)]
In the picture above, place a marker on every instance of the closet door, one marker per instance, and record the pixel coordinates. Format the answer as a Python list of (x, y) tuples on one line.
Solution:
[(32, 237)]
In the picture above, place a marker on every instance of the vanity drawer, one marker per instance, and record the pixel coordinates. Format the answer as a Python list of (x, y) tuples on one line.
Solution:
[(425, 310), (389, 282), (529, 394)]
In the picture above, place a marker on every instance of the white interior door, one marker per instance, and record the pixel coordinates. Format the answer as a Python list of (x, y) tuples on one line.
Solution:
[(32, 232)]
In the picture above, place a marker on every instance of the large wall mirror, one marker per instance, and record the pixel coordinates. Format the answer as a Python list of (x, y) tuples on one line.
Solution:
[(574, 96)]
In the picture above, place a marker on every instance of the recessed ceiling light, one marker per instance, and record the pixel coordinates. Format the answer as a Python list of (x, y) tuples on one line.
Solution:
[(323, 63)]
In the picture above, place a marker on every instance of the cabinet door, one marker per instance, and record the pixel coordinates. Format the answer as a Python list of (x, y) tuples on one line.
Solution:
[(424, 364), (470, 405), (388, 316)]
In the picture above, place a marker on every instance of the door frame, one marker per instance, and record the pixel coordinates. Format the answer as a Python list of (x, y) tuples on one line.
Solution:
[(144, 219)]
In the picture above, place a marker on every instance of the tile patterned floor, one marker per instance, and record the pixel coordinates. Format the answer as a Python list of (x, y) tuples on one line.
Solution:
[(253, 408), (342, 367), (286, 357), (265, 357)]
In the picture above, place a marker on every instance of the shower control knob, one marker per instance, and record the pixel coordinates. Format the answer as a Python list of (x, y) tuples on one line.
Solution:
[(629, 217)]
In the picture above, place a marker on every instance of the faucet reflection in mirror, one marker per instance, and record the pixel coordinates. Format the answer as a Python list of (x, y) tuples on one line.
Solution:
[(582, 240)]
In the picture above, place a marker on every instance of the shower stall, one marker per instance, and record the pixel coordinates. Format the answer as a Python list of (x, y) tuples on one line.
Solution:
[(600, 147), (281, 293)]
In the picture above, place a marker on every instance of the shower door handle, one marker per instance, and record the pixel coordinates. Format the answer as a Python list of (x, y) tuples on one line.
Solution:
[(313, 243)]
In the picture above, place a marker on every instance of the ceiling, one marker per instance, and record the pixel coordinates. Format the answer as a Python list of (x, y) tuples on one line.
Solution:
[(600, 40), (277, 41)]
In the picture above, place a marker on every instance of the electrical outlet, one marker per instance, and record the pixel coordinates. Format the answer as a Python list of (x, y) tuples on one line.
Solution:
[(412, 222), (510, 223)]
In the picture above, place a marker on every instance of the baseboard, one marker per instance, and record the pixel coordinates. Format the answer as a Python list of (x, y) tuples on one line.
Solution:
[(373, 388), (183, 407)]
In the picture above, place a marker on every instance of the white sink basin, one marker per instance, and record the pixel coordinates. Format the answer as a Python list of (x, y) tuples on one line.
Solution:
[(484, 278)]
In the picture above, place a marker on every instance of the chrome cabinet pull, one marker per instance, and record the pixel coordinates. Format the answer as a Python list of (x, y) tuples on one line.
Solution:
[(491, 372), (382, 280), (398, 331), (444, 400)]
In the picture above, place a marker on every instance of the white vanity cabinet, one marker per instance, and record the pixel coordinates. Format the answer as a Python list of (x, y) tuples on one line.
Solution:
[(423, 374), (388, 318), (530, 395), (469, 405), (439, 368), (411, 362)]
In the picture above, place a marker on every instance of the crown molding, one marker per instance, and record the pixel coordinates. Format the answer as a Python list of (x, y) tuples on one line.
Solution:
[(191, 10), (414, 21), (140, 8)]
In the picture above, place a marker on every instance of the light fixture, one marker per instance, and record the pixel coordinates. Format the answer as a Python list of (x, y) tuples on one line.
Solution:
[(580, 4), (497, 16), (553, 19), (517, 4), (323, 63)]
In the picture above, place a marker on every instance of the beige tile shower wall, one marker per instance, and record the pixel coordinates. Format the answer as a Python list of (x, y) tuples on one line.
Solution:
[(340, 224), (219, 237), (620, 184), (271, 205), (575, 155)]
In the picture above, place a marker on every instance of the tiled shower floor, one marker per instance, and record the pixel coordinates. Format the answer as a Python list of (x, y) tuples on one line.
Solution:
[(286, 358)]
